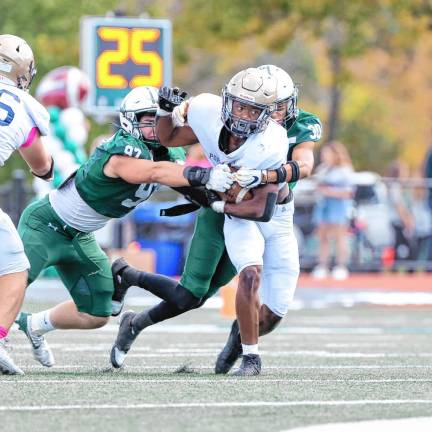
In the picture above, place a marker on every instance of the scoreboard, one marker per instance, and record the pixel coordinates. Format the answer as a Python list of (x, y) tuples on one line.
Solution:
[(119, 54)]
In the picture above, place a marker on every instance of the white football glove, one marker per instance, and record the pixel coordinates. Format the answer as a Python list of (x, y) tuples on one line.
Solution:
[(179, 114), (248, 178), (221, 178), (218, 206)]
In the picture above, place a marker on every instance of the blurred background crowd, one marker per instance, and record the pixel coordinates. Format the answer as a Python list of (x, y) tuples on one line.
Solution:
[(362, 68)]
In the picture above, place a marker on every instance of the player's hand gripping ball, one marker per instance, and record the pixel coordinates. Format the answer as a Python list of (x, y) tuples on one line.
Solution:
[(236, 194)]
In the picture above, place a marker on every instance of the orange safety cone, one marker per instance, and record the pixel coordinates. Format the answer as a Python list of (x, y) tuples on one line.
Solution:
[(228, 295)]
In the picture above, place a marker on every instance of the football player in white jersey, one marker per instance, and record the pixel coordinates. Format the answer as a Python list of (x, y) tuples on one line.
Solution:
[(236, 129), (22, 123)]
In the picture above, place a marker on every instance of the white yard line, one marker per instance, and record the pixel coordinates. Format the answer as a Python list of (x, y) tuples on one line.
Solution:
[(174, 366), (188, 380), (219, 404)]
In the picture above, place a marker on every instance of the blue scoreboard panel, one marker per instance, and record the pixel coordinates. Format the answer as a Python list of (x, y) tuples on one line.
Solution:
[(119, 54)]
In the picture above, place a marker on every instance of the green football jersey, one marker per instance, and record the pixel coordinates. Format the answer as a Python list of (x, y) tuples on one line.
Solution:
[(306, 127), (114, 197)]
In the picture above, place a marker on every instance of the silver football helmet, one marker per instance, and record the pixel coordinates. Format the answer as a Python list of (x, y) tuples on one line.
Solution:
[(254, 88), (286, 91), (139, 101), (16, 61)]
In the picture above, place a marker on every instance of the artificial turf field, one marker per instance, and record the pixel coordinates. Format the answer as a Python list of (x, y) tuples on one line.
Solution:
[(321, 366)]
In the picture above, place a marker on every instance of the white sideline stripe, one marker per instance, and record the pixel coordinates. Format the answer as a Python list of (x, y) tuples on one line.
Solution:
[(175, 366), (217, 329), (188, 380), (143, 352), (187, 353), (220, 404), (292, 330), (419, 424)]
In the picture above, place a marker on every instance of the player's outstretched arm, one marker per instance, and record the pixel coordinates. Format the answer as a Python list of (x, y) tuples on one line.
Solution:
[(37, 158), (139, 171), (260, 208)]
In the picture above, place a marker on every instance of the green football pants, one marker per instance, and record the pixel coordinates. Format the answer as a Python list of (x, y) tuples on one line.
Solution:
[(82, 265), (208, 266)]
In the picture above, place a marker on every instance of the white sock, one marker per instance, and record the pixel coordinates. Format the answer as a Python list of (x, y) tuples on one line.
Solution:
[(41, 323), (250, 349)]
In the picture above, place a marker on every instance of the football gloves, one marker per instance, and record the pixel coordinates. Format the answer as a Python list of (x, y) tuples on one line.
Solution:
[(249, 178), (170, 97), (218, 178)]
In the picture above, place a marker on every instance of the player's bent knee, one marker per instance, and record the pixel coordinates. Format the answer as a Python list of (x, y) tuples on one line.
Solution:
[(185, 300), (249, 279), (93, 322)]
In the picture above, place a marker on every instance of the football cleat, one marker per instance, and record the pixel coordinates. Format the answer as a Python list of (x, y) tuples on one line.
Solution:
[(250, 366), (41, 350), (120, 286), (230, 352), (125, 338), (7, 365)]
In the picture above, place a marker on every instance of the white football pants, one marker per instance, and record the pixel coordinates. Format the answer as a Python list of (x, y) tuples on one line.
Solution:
[(12, 256), (269, 244)]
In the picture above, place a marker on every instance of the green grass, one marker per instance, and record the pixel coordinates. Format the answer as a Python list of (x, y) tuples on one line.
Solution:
[(360, 354)]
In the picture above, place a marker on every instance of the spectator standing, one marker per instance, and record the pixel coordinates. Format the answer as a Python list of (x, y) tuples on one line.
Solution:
[(333, 208), (400, 216)]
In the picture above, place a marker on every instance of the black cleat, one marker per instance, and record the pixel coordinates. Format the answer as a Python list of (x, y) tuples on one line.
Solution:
[(120, 286), (250, 366), (231, 351), (125, 338)]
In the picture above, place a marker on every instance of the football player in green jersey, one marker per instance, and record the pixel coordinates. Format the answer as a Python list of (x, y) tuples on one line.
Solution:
[(58, 229), (208, 266)]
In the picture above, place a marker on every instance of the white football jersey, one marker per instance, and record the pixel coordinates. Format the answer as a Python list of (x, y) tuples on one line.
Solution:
[(19, 114), (264, 150)]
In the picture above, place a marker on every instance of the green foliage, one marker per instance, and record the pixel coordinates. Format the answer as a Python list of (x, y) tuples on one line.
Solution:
[(50, 27)]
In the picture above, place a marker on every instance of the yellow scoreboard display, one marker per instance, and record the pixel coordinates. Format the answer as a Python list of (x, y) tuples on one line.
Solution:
[(119, 54)]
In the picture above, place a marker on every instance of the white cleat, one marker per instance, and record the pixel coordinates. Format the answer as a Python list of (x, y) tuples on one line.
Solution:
[(117, 357), (7, 366), (41, 351)]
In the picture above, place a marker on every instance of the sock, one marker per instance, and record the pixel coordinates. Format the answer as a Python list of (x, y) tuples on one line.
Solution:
[(161, 312), (3, 332), (164, 310), (250, 349), (161, 286), (41, 322), (141, 321)]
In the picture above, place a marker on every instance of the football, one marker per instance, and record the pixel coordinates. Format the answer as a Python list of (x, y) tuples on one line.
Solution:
[(236, 194)]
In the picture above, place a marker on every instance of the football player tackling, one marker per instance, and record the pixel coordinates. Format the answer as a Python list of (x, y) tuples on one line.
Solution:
[(207, 265), (242, 137)]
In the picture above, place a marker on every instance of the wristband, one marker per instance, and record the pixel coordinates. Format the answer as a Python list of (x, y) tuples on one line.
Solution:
[(281, 174), (295, 170), (197, 176), (47, 176)]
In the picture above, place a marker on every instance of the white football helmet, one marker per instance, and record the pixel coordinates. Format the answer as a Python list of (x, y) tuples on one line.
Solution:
[(139, 101), (251, 87), (287, 92), (16, 61)]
